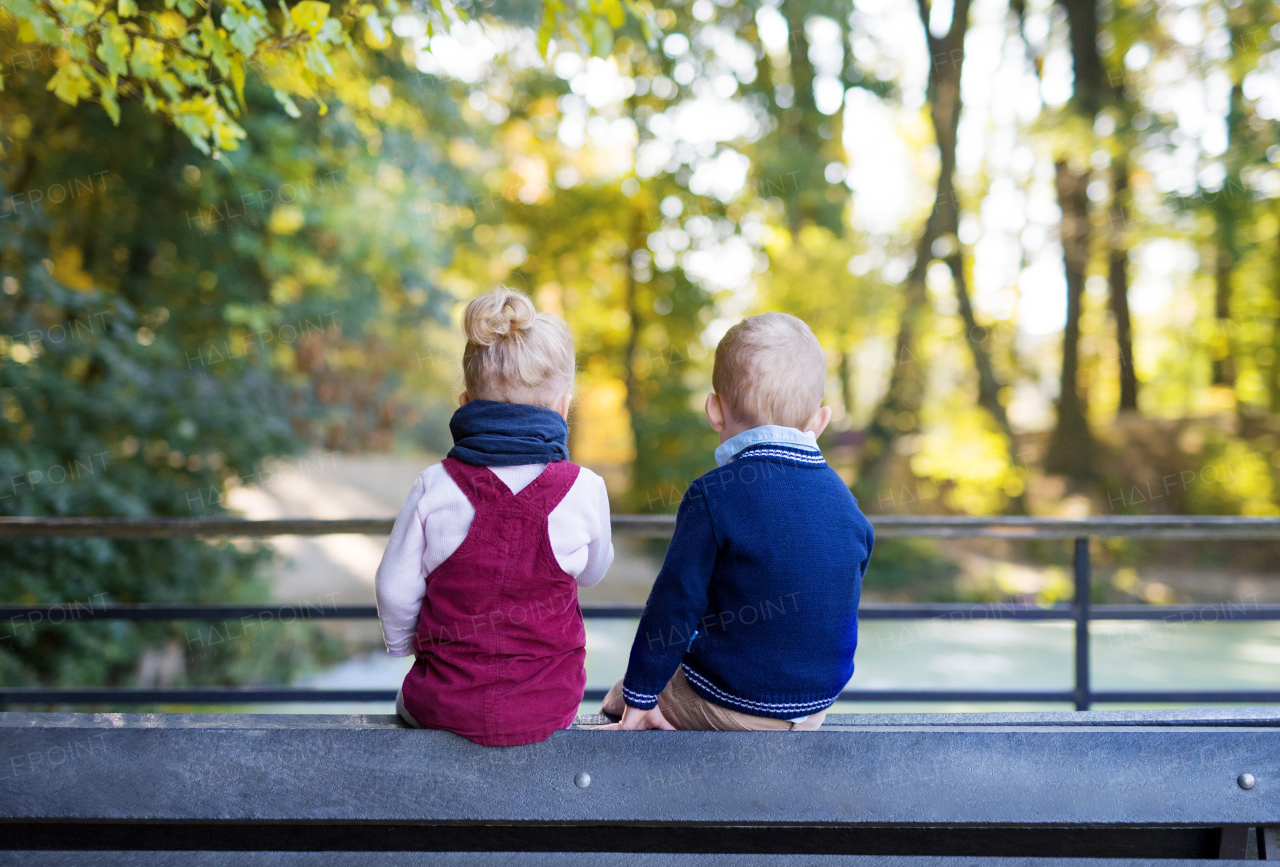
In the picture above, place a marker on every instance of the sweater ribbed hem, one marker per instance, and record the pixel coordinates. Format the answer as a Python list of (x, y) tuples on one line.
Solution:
[(787, 710), (639, 700)]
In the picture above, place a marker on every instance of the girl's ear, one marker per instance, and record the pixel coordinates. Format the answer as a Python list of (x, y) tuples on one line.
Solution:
[(562, 405)]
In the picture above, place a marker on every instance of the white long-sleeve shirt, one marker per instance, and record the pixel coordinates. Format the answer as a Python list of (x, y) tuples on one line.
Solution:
[(435, 519)]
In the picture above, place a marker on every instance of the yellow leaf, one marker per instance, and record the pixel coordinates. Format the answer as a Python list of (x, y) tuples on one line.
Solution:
[(613, 11), (69, 84), (378, 32), (127, 8), (170, 24), (286, 220), (237, 79), (309, 15)]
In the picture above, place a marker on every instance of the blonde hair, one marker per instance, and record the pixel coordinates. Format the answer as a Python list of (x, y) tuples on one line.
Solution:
[(770, 369), (515, 354)]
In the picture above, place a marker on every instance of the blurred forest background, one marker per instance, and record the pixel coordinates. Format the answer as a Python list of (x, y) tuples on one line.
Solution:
[(1040, 242)]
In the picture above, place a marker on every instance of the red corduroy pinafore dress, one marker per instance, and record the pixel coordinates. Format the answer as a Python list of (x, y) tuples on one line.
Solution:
[(501, 647)]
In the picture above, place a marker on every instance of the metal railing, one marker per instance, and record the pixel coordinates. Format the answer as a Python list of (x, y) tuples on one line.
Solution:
[(1080, 611)]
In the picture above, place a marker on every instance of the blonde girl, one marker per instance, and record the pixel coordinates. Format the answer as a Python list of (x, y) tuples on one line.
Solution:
[(480, 578)]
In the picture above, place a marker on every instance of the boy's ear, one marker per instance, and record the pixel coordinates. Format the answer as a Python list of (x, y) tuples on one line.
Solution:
[(819, 421), (463, 399), (715, 412)]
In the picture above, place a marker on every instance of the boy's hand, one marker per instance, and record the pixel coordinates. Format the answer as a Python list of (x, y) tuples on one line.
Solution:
[(634, 719)]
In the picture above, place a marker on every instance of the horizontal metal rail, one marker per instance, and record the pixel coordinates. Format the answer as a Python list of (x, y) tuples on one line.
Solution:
[(659, 526), (1080, 611), (953, 611), (230, 695)]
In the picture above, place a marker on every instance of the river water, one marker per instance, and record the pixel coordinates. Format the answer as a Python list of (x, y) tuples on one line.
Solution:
[(1128, 655), (990, 654)]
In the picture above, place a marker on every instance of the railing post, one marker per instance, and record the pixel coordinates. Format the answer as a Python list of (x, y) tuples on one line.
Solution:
[(1080, 606)]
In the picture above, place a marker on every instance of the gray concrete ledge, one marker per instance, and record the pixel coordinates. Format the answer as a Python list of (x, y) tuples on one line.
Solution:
[(548, 859), (1109, 769), (1194, 717)]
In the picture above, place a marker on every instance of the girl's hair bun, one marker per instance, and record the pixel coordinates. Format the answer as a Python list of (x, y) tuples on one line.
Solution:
[(515, 354), (498, 315)]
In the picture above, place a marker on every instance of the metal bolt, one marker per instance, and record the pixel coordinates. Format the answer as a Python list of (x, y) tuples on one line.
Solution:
[(583, 779), (1246, 781)]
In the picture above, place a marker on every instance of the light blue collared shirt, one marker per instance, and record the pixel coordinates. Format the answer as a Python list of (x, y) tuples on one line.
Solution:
[(766, 434)]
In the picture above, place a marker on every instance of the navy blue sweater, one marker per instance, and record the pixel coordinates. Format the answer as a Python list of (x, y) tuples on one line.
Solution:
[(758, 596)]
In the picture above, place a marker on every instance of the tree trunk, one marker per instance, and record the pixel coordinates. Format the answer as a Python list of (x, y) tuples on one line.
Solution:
[(808, 197), (988, 384), (1091, 86), (1228, 205), (1118, 278), (848, 393), (1224, 368), (1274, 378), (1070, 450), (899, 412), (635, 242)]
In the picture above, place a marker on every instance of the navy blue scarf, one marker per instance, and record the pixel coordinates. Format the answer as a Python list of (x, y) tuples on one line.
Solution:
[(487, 433)]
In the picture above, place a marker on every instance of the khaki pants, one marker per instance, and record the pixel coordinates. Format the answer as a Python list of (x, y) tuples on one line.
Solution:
[(688, 711)]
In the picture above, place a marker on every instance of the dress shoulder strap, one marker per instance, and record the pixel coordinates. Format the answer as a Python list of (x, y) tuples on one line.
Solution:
[(546, 491), (479, 484)]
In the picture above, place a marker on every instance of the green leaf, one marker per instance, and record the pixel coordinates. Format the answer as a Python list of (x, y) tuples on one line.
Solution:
[(126, 8), (290, 108), (77, 13), (147, 60), (601, 38), (171, 86), (190, 70), (227, 96), (113, 50), (246, 32), (108, 98), (215, 46), (333, 33), (77, 47), (545, 31), (317, 61), (45, 28)]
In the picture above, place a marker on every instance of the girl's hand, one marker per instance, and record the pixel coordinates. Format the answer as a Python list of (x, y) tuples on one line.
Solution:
[(634, 719)]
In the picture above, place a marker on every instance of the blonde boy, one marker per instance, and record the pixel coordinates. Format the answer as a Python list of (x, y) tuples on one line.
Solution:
[(753, 621)]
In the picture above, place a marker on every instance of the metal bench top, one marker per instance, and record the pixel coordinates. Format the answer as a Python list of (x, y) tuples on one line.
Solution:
[(864, 783)]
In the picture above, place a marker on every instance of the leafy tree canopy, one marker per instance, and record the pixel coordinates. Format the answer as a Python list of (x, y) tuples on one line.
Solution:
[(186, 59)]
